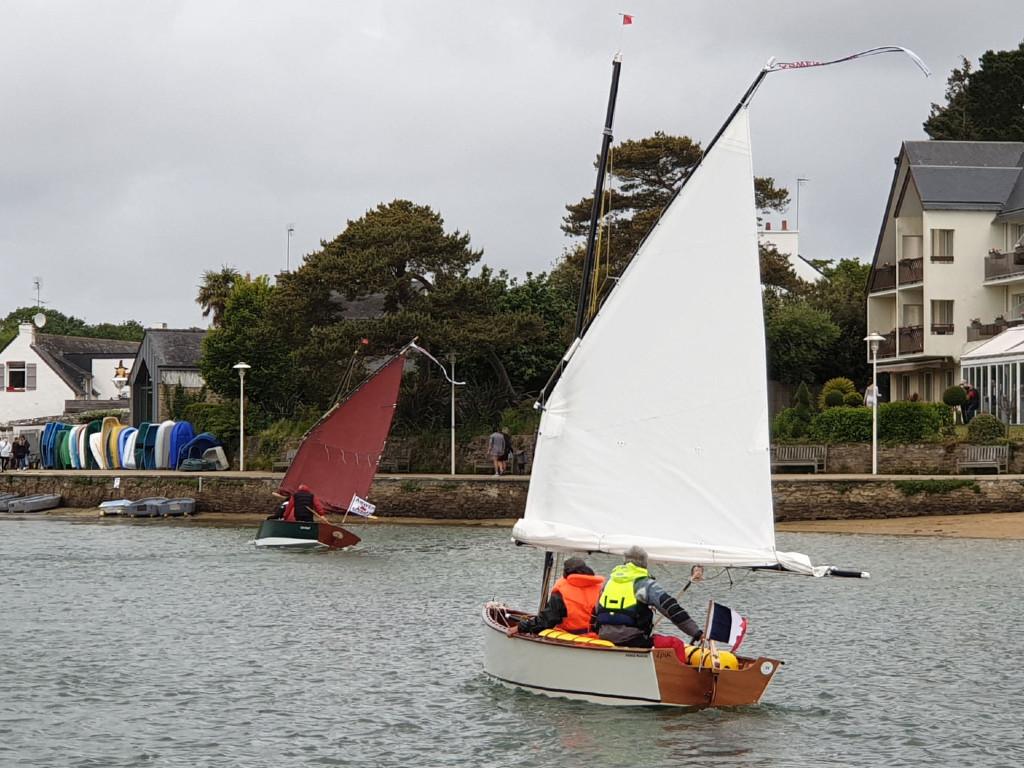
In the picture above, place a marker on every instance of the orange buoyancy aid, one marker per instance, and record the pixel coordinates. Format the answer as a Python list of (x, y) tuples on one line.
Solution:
[(580, 593)]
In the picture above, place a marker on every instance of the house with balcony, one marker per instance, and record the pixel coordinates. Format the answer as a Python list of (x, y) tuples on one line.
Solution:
[(948, 268)]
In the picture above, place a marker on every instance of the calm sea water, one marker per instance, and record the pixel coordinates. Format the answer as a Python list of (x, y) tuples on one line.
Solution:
[(150, 645)]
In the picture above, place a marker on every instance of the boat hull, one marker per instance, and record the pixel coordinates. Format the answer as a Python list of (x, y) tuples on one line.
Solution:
[(149, 507), (35, 503), (177, 507), (614, 676), (293, 535)]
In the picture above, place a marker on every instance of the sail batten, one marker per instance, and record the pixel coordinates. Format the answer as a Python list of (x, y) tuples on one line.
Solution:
[(656, 433)]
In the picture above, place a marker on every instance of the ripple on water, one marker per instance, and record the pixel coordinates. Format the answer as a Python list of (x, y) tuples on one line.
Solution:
[(158, 646)]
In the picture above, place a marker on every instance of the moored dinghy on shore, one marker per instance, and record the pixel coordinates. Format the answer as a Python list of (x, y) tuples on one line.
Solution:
[(177, 507), (37, 502), (148, 507)]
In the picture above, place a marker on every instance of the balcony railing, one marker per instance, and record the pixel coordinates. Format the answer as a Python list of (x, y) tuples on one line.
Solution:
[(911, 341), (1004, 264), (911, 271), (883, 279)]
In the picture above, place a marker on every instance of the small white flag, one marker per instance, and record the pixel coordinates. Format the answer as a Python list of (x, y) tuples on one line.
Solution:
[(361, 507)]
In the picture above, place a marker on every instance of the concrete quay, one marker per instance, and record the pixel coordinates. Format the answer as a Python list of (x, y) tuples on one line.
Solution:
[(485, 497)]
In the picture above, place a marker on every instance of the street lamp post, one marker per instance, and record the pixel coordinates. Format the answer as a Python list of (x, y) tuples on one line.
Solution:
[(873, 341), (451, 357), (241, 368)]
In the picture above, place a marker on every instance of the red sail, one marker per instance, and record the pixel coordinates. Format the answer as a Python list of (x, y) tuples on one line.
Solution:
[(338, 457)]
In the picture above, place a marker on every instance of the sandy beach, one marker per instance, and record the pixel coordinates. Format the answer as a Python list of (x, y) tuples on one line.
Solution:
[(980, 526)]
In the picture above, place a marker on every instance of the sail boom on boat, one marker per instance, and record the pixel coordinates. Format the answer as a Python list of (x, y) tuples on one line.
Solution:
[(563, 539)]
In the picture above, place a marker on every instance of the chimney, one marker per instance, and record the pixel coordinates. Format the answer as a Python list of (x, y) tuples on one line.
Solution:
[(784, 225), (159, 326)]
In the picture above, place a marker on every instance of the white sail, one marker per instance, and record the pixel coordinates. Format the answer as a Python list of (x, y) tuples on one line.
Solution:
[(657, 431)]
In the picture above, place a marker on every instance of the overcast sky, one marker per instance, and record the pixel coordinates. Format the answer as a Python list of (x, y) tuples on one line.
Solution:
[(142, 143)]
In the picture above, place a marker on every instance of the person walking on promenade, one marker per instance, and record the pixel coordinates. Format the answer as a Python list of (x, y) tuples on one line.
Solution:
[(495, 449)]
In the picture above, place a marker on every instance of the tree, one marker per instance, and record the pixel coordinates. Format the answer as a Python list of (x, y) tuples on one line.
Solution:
[(647, 174), (799, 338), (397, 250), (215, 290), (777, 274), (59, 324), (841, 294), (986, 104), (249, 332)]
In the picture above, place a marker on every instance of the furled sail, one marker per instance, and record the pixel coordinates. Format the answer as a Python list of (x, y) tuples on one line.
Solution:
[(656, 433), (339, 455)]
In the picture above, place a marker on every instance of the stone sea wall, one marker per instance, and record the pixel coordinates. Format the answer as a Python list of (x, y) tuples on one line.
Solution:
[(438, 497)]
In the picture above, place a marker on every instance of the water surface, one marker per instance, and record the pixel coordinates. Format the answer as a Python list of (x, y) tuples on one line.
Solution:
[(149, 645)]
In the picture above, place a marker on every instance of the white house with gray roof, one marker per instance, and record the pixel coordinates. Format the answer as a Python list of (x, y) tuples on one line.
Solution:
[(43, 373), (948, 268)]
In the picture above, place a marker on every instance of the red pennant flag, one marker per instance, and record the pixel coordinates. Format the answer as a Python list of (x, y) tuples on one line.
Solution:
[(626, 19)]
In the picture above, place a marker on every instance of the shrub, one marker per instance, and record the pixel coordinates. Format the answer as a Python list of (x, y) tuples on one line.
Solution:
[(792, 423), (788, 424), (841, 425), (905, 422), (853, 399), (834, 398), (842, 385), (954, 396), (985, 428)]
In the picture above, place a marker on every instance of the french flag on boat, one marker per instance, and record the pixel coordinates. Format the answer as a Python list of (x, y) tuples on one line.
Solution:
[(361, 507), (726, 626)]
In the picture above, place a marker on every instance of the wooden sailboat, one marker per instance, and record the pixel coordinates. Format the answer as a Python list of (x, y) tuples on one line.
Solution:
[(628, 452), (338, 459)]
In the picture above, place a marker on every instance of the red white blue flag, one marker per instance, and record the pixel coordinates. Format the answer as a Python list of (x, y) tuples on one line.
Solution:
[(726, 626), (361, 507)]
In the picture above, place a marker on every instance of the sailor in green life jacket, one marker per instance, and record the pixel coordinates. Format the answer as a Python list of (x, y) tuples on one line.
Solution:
[(624, 614)]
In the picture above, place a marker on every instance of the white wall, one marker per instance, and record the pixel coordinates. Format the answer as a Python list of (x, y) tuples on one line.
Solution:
[(47, 399)]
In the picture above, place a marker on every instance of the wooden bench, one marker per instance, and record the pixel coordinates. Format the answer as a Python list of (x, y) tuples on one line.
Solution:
[(395, 460), (286, 461), (813, 456), (995, 457)]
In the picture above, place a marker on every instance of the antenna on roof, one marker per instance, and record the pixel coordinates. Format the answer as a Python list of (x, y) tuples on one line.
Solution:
[(37, 283)]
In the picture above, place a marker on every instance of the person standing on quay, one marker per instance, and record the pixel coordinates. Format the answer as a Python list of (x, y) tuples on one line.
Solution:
[(495, 449), (5, 453)]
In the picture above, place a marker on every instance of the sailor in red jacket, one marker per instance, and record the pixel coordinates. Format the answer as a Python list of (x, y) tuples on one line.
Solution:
[(302, 506), (571, 603)]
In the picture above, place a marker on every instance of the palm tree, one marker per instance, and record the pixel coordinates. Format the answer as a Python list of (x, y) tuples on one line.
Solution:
[(215, 291)]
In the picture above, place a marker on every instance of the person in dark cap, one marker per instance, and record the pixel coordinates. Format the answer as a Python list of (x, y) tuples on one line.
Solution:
[(571, 602)]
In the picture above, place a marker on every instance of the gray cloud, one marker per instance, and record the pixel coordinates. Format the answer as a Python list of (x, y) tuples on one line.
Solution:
[(142, 143)]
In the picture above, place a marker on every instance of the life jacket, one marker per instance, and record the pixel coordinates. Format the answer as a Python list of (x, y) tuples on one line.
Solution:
[(303, 506), (579, 592), (618, 603)]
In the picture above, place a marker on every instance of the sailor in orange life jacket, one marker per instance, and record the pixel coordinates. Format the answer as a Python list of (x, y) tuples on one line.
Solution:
[(302, 506), (571, 602)]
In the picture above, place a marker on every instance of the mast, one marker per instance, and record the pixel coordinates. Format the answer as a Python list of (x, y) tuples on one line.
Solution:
[(590, 256), (595, 212), (589, 260)]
